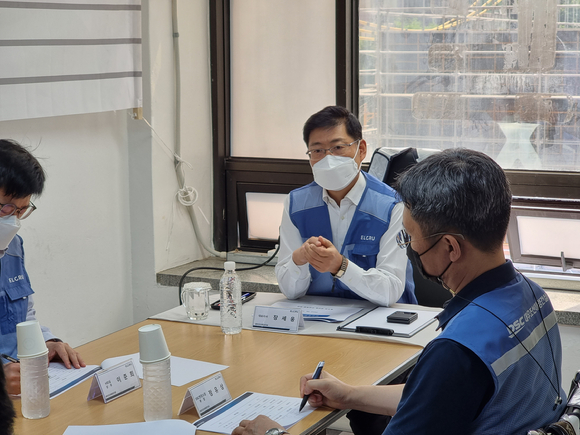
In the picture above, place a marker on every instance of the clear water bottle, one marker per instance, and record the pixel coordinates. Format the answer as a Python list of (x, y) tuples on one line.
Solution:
[(231, 300), (156, 359), (34, 386), (157, 390)]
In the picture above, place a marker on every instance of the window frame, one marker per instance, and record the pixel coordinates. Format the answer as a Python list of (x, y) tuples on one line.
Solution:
[(229, 171)]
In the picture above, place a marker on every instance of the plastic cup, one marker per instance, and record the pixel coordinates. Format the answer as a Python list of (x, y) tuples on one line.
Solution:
[(195, 297), (152, 345), (30, 340)]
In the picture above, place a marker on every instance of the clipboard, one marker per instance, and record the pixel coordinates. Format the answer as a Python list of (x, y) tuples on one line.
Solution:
[(375, 322)]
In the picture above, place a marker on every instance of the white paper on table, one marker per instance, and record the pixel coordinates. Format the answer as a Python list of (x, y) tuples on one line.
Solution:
[(324, 313), (183, 370), (173, 427), (281, 409), (61, 379)]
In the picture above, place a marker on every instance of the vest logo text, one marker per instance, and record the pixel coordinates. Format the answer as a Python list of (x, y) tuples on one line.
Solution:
[(16, 278)]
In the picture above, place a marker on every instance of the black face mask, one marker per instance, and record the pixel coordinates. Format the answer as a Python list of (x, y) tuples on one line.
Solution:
[(414, 255)]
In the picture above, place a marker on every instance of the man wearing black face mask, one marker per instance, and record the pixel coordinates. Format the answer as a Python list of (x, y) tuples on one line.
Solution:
[(337, 236), (21, 176), (495, 367)]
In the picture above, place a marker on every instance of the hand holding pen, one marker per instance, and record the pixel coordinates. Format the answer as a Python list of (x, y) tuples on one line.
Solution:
[(316, 375), (12, 374)]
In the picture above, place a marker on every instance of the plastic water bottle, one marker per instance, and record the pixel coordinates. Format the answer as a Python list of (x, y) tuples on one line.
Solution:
[(34, 386), (156, 359), (157, 390), (231, 300)]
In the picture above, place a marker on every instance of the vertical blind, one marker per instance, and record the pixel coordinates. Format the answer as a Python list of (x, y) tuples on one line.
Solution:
[(69, 57)]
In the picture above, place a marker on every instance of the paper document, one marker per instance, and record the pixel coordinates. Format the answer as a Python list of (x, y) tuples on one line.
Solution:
[(61, 379), (377, 318), (173, 427), (183, 370), (248, 406), (324, 313)]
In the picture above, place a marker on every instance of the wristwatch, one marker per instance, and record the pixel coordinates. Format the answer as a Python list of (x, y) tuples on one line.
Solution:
[(275, 431), (342, 268)]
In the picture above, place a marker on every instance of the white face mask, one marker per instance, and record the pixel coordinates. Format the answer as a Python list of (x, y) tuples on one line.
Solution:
[(335, 172), (9, 226)]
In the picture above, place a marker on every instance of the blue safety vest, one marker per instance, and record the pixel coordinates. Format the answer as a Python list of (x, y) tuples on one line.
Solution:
[(309, 213), (523, 398), (14, 292)]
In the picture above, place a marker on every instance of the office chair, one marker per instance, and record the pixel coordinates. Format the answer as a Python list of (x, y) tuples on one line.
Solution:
[(569, 422), (386, 164)]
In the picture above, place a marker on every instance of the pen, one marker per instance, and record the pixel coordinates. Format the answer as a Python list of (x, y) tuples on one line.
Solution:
[(373, 330), (9, 358), (316, 375)]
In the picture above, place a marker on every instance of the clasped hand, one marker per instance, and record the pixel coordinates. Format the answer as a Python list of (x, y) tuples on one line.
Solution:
[(320, 253)]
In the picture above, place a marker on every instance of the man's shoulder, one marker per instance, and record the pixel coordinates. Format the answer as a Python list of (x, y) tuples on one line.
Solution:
[(305, 198), (377, 185), (15, 248)]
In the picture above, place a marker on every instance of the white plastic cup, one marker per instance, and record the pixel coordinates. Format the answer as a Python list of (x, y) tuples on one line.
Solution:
[(155, 357), (157, 390), (195, 297), (30, 339), (35, 391), (152, 345)]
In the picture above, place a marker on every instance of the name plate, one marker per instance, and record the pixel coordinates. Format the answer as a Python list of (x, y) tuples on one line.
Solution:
[(285, 319), (206, 396), (114, 382)]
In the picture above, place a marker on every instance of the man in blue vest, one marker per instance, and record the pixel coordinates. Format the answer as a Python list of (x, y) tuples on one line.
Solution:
[(21, 176), (337, 236), (496, 366)]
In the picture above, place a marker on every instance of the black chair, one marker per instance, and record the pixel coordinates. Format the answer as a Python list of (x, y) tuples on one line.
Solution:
[(386, 164)]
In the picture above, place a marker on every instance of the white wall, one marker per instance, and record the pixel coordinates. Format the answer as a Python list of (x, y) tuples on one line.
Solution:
[(77, 242), (101, 231)]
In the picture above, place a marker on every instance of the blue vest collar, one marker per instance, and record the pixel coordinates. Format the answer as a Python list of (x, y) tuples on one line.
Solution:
[(484, 283)]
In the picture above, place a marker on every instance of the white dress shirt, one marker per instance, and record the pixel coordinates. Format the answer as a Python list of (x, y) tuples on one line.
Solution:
[(382, 285)]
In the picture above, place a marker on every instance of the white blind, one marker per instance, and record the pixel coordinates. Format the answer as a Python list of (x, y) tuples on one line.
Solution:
[(69, 57), (283, 69)]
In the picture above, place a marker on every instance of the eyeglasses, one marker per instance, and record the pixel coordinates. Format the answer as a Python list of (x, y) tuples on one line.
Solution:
[(21, 213), (337, 150), (404, 239)]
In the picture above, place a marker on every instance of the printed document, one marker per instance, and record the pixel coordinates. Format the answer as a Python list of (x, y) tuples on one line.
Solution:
[(61, 379), (248, 406), (323, 313), (173, 427)]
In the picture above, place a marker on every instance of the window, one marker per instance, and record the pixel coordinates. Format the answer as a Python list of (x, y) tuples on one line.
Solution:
[(274, 63), (498, 76)]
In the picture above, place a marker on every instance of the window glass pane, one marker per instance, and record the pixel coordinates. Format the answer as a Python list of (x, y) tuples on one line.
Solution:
[(500, 76), (282, 71), (264, 215)]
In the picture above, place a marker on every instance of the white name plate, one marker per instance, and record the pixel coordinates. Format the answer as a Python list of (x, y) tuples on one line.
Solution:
[(206, 396), (285, 319), (114, 382)]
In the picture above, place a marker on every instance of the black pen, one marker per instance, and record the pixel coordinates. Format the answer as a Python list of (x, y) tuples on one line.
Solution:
[(316, 375), (374, 330), (9, 358)]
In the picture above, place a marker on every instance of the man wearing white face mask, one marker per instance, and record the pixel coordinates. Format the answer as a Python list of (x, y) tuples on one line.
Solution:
[(21, 176), (338, 234)]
